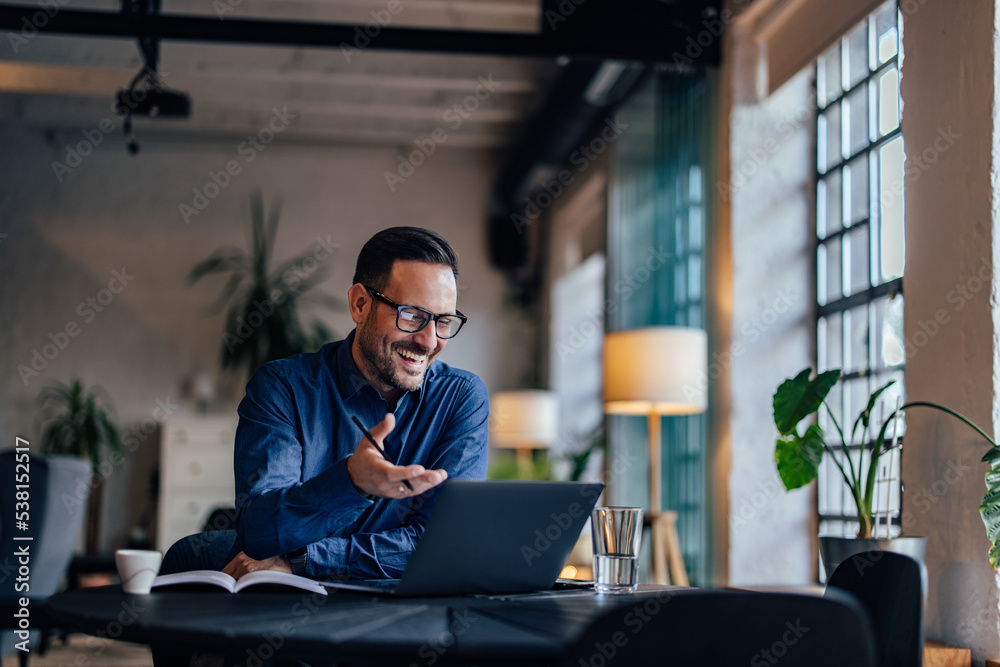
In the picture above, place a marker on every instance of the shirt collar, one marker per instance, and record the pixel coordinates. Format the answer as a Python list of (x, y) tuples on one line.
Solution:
[(350, 378)]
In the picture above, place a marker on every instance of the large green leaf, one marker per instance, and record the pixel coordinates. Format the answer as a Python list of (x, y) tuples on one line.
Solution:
[(797, 398), (989, 509), (798, 457)]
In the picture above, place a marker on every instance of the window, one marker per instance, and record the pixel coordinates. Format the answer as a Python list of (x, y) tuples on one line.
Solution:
[(859, 255), (658, 223)]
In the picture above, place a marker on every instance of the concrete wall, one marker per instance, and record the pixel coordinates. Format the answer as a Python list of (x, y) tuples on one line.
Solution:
[(60, 243), (949, 132)]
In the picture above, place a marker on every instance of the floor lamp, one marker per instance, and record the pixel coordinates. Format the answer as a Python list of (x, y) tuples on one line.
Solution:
[(524, 420), (657, 371)]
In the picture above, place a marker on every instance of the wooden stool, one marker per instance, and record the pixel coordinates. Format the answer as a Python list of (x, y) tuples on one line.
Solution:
[(666, 549)]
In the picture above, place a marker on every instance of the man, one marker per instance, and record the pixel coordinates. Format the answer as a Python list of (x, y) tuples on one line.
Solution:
[(314, 496)]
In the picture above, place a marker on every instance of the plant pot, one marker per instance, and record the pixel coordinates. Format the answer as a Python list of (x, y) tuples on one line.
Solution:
[(834, 550)]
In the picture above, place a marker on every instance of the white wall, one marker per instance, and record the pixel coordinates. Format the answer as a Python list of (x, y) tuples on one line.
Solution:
[(767, 312), (61, 241), (950, 136)]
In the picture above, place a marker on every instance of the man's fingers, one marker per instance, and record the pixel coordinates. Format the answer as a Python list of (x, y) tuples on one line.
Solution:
[(384, 427), (419, 483)]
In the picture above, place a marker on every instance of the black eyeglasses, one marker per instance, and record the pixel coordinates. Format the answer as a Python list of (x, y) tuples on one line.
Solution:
[(412, 319)]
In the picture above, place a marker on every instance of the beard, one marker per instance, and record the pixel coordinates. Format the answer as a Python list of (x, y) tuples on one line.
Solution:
[(380, 357)]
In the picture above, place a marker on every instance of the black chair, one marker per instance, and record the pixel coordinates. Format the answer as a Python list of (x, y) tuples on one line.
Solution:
[(891, 587), (726, 628), (58, 489)]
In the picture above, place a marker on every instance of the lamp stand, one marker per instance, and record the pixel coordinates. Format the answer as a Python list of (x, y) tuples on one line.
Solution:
[(525, 467), (666, 544)]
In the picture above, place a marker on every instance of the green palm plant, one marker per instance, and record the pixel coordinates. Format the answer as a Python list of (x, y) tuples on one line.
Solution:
[(78, 422), (798, 455), (262, 316)]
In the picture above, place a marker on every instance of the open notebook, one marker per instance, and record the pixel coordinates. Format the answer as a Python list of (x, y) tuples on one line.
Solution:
[(492, 537)]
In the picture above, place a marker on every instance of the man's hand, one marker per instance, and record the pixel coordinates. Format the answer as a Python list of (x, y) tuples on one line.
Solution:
[(243, 564), (372, 474)]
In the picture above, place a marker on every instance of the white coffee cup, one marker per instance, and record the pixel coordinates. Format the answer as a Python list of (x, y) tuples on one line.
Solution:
[(137, 568)]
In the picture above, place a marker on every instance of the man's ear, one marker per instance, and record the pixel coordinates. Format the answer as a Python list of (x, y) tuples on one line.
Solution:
[(359, 301)]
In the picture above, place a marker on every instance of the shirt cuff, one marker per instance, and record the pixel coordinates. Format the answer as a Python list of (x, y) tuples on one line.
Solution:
[(333, 553)]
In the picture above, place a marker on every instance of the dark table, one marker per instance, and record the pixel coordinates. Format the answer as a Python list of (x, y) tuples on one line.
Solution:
[(533, 629)]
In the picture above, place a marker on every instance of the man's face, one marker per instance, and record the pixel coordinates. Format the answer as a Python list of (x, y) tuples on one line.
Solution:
[(397, 359)]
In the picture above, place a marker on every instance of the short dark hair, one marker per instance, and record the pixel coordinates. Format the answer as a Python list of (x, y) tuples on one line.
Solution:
[(375, 261)]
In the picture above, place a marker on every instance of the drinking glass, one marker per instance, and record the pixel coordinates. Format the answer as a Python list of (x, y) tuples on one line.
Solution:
[(617, 532)]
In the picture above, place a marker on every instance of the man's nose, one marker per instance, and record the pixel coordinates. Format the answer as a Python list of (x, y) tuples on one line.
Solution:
[(428, 336)]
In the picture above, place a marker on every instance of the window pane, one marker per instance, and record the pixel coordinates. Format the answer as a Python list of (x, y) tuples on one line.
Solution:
[(855, 47), (694, 276), (856, 186), (886, 35), (892, 239), (857, 393), (830, 342), (888, 101), (831, 276), (856, 120), (834, 401), (828, 138), (829, 204), (856, 347), (856, 246), (889, 343), (695, 225), (828, 76)]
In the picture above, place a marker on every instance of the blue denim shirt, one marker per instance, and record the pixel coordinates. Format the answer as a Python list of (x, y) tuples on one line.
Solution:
[(295, 434)]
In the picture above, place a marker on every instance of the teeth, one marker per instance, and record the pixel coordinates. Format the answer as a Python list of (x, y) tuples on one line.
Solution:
[(412, 356)]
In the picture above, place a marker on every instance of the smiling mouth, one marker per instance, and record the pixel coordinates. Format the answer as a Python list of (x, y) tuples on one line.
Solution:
[(413, 361)]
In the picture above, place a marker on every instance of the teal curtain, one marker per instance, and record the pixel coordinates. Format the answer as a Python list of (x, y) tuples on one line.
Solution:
[(660, 189)]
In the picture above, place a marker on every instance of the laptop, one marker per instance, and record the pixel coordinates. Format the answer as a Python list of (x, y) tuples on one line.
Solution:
[(492, 537)]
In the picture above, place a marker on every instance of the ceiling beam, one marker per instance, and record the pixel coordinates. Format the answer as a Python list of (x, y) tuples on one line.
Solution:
[(581, 37)]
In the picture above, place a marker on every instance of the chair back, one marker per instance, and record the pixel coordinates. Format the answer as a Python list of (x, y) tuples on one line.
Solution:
[(58, 492), (891, 587), (725, 628)]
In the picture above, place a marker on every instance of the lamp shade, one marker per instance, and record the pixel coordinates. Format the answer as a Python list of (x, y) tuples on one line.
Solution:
[(656, 370), (524, 419)]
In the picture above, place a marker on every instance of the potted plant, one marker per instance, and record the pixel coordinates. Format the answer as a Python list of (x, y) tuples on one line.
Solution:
[(262, 319), (78, 422), (798, 456)]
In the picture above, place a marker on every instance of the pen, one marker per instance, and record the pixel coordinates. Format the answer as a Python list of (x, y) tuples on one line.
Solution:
[(377, 446)]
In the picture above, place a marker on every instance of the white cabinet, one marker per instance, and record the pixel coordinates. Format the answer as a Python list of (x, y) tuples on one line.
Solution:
[(196, 473)]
